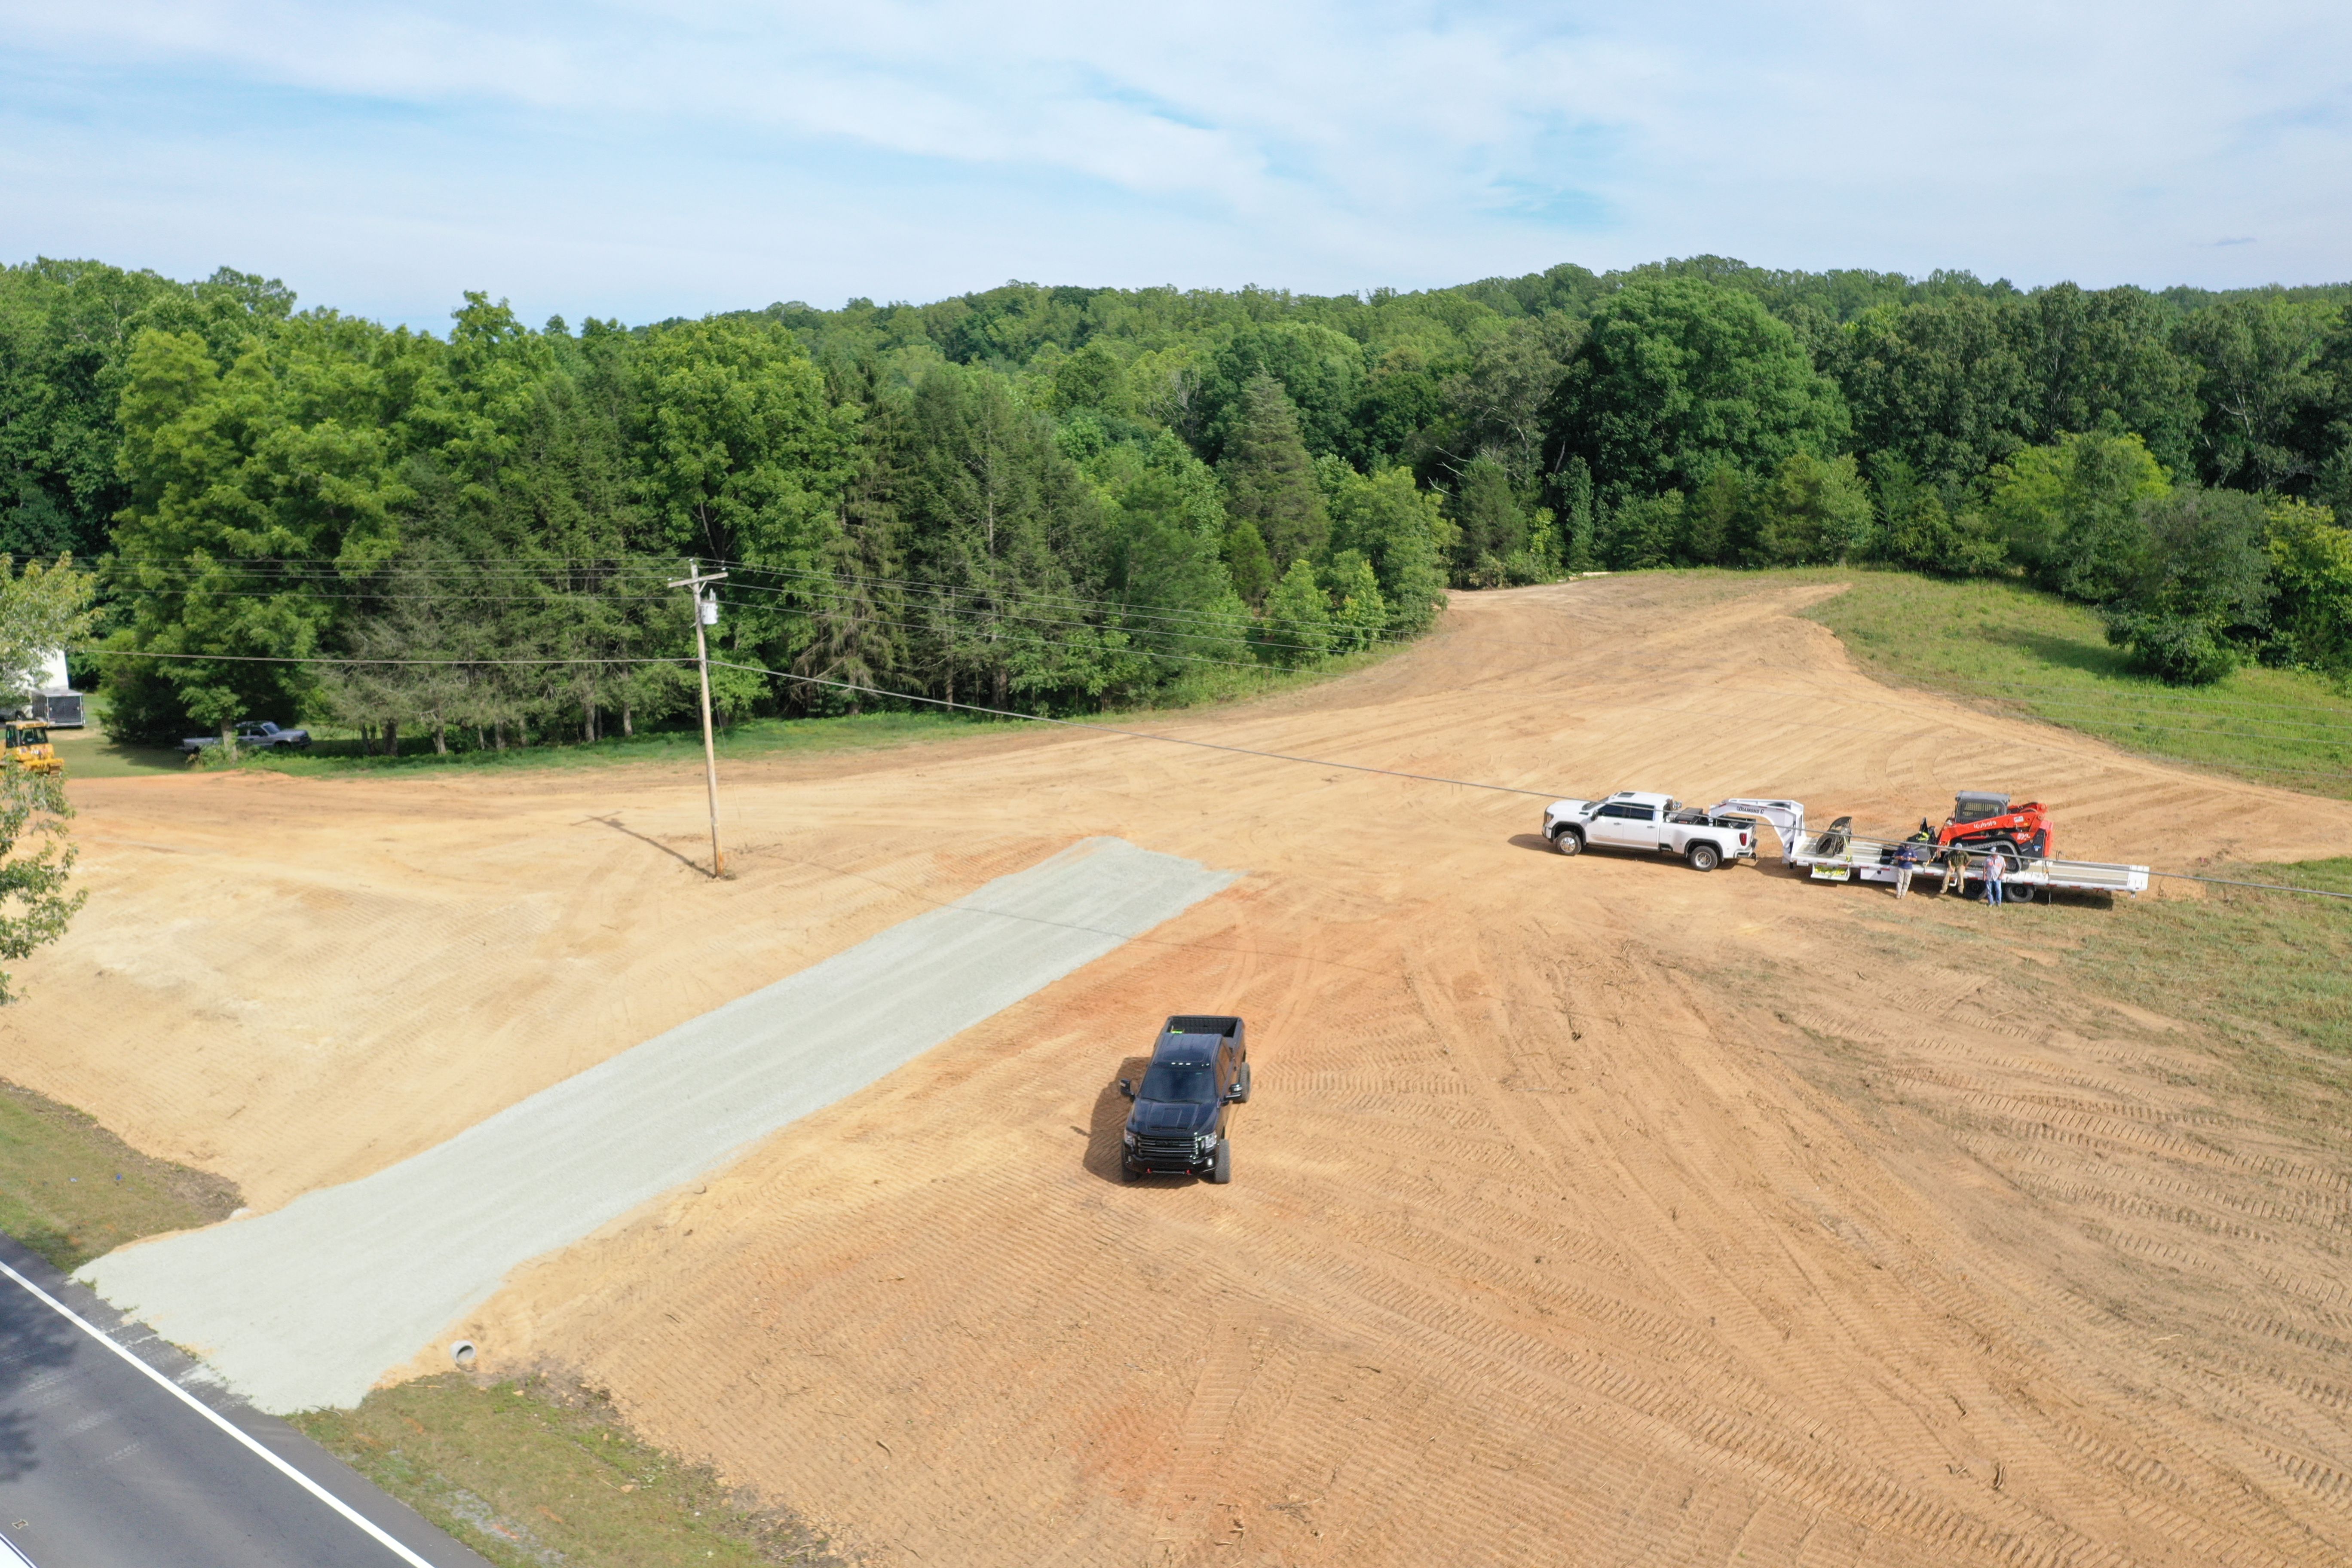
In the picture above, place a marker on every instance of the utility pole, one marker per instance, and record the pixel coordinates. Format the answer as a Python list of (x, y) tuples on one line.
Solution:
[(706, 614)]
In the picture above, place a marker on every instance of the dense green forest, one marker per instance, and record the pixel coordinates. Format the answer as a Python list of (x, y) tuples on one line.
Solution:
[(1062, 498)]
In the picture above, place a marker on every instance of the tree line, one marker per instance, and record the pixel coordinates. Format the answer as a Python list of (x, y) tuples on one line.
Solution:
[(1060, 497)]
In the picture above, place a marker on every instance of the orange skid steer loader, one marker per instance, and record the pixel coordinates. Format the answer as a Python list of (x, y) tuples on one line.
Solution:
[(1987, 823)]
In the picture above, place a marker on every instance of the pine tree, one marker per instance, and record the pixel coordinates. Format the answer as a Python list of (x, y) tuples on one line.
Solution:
[(861, 612), (1270, 480), (1492, 530)]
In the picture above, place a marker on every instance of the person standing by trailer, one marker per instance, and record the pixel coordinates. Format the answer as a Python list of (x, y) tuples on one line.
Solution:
[(1992, 870), (1906, 861)]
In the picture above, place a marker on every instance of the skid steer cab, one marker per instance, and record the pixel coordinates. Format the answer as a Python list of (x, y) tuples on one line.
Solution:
[(25, 744), (1200, 1068), (1987, 824)]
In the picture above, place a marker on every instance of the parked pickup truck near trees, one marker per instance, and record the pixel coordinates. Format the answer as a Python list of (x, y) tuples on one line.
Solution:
[(262, 736), (1642, 819), (1199, 1067)]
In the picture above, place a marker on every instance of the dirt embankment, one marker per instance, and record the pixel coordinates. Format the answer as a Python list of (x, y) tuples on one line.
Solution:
[(1585, 1211)]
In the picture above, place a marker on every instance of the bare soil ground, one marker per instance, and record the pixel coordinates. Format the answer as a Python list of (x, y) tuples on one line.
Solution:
[(1590, 1211)]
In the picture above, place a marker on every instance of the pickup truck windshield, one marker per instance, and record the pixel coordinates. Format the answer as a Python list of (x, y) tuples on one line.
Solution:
[(1169, 1081)]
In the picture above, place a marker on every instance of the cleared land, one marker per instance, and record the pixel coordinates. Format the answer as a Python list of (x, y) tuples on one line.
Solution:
[(296, 1308), (1589, 1210)]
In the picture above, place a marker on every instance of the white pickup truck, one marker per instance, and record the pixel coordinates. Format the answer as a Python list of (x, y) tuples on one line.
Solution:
[(1641, 820)]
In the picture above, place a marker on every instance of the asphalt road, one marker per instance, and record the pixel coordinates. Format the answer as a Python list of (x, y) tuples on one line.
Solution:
[(102, 1465)]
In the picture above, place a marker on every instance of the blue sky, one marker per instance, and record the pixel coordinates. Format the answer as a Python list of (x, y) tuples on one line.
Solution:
[(641, 160)]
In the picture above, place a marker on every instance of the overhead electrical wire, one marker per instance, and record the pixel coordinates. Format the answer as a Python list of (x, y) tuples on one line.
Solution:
[(1219, 628), (1109, 730), (1012, 596), (977, 614), (1210, 628)]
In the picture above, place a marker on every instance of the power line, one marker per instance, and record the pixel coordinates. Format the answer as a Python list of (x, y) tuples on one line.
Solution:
[(1125, 733), (1136, 734), (1125, 610), (649, 565), (1216, 628), (328, 658), (1194, 658), (1209, 623), (1221, 629), (1322, 763)]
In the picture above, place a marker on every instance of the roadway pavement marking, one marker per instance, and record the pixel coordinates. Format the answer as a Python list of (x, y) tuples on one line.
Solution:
[(216, 1418)]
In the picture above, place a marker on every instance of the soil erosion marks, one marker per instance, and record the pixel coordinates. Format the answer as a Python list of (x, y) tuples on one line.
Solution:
[(1586, 1210)]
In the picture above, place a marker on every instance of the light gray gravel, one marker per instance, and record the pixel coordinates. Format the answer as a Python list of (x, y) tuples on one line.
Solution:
[(309, 1305)]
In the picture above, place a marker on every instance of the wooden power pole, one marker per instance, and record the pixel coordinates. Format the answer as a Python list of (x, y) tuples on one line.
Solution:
[(706, 614)]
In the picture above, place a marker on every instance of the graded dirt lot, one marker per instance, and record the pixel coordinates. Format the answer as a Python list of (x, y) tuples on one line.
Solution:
[(1586, 1211)]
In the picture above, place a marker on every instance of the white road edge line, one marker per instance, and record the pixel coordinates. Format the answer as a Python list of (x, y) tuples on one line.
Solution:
[(217, 1419), (8, 1547)]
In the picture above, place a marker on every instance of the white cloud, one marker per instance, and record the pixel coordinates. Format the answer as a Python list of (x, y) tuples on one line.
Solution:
[(623, 156)]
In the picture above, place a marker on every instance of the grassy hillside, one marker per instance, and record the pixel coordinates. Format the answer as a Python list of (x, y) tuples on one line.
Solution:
[(2189, 959), (70, 1190), (2012, 648)]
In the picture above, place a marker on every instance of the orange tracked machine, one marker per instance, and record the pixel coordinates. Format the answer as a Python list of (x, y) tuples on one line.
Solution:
[(1988, 823)]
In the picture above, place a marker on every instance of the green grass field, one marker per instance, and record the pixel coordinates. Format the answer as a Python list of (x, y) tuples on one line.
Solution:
[(92, 753), (2016, 650), (2259, 968), (71, 1190), (535, 1472)]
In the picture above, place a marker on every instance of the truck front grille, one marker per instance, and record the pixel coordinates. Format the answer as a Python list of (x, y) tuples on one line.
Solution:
[(1162, 1150)]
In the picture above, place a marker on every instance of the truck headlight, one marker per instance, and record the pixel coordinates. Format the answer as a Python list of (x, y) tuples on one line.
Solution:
[(1208, 1141), (1128, 1137)]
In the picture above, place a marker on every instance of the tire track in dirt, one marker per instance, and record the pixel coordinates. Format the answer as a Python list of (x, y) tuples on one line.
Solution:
[(1550, 1241)]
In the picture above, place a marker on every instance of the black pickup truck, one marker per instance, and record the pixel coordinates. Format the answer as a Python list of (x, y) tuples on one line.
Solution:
[(1200, 1066)]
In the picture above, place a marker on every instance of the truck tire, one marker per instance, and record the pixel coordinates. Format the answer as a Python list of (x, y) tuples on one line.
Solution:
[(1568, 841), (1242, 1095), (1127, 1171), (1221, 1169), (1704, 856)]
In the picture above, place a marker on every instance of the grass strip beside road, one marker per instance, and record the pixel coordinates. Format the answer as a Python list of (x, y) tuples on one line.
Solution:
[(2011, 649), (543, 1471), (70, 1190)]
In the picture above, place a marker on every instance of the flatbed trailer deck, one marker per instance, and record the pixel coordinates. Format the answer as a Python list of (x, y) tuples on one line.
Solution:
[(1840, 854), (1836, 856)]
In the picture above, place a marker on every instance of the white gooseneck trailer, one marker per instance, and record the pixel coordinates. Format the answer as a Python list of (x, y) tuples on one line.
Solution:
[(1838, 854)]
